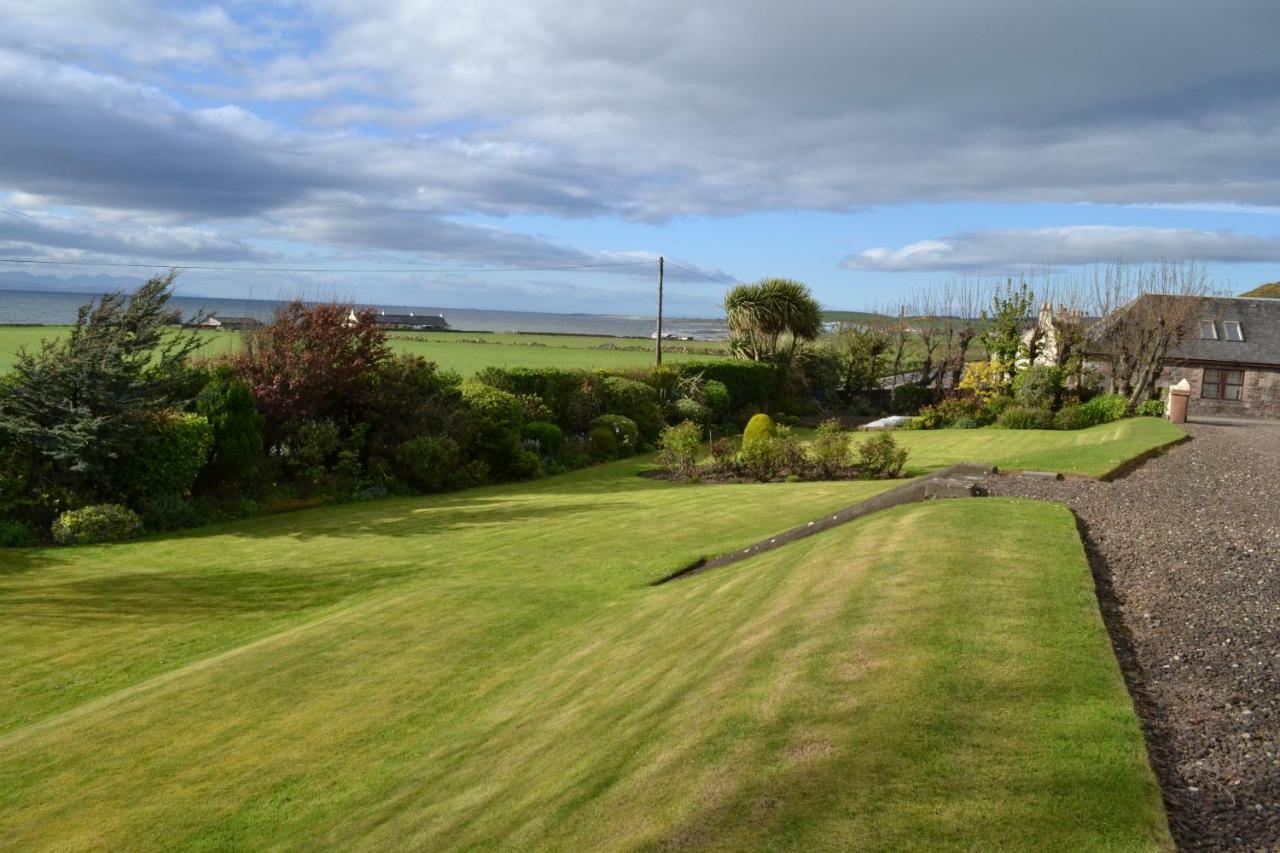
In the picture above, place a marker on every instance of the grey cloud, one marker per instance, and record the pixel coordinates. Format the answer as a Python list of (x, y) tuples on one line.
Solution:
[(999, 250), (84, 234)]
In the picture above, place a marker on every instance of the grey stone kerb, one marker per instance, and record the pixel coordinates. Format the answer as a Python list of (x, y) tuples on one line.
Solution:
[(958, 481)]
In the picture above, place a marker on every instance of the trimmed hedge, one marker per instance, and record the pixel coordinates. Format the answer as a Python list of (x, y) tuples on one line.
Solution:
[(174, 446), (749, 383), (759, 428)]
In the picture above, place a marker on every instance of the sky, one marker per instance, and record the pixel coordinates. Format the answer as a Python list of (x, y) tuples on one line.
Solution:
[(541, 155)]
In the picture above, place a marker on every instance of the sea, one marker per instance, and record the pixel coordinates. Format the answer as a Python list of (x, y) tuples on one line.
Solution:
[(22, 307)]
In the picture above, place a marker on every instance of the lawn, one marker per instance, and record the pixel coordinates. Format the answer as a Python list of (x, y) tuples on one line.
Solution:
[(465, 352), (493, 669), (1094, 452)]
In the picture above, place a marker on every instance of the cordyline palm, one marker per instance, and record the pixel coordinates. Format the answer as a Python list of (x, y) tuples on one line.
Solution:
[(761, 314)]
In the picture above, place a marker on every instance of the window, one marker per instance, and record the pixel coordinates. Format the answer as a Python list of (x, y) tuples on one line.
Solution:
[(1231, 330), (1222, 384), (1208, 331)]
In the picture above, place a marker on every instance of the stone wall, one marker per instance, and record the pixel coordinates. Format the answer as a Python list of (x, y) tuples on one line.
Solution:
[(1260, 397)]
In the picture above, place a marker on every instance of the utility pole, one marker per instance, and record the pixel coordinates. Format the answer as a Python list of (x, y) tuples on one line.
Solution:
[(661, 270)]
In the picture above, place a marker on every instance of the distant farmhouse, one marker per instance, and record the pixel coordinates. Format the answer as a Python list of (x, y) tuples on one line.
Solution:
[(225, 324), (408, 322)]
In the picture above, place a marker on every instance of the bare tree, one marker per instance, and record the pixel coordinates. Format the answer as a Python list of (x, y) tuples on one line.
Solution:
[(1147, 312)]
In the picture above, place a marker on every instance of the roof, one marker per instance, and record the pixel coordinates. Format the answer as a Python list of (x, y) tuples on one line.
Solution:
[(1259, 319), (410, 320)]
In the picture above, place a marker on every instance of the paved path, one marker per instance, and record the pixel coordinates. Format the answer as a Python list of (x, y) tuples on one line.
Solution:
[(1186, 552)]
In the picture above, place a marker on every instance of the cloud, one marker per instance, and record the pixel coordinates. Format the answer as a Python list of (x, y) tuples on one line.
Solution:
[(1000, 250), (86, 235)]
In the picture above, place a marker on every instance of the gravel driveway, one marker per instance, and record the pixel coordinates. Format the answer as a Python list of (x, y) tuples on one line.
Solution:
[(1186, 553)]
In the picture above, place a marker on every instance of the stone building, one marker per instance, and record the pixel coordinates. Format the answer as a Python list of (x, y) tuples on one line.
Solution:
[(1233, 366)]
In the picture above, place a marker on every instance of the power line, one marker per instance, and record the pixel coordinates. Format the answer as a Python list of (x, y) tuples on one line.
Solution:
[(314, 270), (695, 272)]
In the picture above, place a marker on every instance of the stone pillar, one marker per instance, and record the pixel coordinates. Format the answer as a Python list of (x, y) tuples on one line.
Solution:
[(1179, 396)]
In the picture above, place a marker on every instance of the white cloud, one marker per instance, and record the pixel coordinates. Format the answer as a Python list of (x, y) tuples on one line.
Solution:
[(1042, 248)]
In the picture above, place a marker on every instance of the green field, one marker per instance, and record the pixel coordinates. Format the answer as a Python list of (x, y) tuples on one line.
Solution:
[(492, 669), (465, 352)]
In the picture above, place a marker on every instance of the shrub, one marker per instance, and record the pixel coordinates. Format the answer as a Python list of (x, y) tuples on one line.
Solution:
[(909, 398), (750, 383), (311, 450), (716, 396), (965, 423), (548, 437), (994, 408), (880, 457), (430, 463), (236, 455), (679, 446), (692, 410), (97, 523), (984, 379), (552, 384), (602, 444), (1023, 417), (625, 432), (929, 418), (1070, 417), (1039, 386), (767, 456), (830, 448), (17, 534), (1151, 408), (633, 400), (171, 512), (172, 448), (495, 435), (1105, 408), (760, 427)]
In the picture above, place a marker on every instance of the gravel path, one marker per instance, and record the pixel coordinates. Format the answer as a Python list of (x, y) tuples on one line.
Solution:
[(1186, 553)]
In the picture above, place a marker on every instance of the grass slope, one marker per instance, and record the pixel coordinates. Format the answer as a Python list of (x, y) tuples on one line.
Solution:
[(1093, 452), (491, 669), (464, 352)]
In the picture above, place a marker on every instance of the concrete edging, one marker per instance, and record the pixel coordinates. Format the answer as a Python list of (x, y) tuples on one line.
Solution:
[(957, 481)]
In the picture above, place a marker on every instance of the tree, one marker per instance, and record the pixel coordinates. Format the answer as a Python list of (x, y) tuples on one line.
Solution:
[(1147, 312), (311, 362), (74, 409), (1010, 307), (769, 319), (860, 349)]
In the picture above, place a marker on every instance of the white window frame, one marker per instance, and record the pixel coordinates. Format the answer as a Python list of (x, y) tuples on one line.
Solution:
[(1213, 330), (1226, 331)]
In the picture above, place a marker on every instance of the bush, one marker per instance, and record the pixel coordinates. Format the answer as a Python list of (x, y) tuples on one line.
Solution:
[(1070, 417), (830, 448), (552, 384), (625, 432), (750, 383), (633, 400), (495, 435), (994, 408), (311, 451), (1105, 408), (430, 463), (1023, 417), (548, 436), (760, 427), (17, 534), (602, 444), (236, 455), (97, 523), (880, 457), (984, 379), (929, 418), (716, 396), (1151, 409), (692, 410), (679, 446), (1039, 386), (909, 398), (965, 423), (172, 448), (171, 512)]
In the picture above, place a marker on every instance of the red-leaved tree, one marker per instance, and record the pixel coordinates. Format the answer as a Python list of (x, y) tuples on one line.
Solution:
[(311, 361)]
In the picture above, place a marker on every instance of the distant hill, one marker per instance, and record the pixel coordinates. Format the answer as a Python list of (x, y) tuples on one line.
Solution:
[(1271, 290)]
